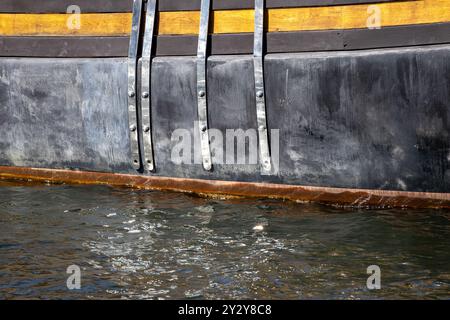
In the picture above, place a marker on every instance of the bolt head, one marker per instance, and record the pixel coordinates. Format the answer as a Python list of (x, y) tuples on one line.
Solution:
[(201, 93), (262, 128), (204, 128), (133, 128), (131, 93), (146, 129), (260, 94), (145, 95)]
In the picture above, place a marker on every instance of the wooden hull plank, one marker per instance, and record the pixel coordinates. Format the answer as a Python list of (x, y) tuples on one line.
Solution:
[(231, 21), (301, 41), (89, 6), (381, 124)]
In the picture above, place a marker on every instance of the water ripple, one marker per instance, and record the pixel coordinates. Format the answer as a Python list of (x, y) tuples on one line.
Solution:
[(133, 244)]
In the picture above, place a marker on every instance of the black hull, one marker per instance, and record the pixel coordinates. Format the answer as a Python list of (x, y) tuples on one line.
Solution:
[(373, 119)]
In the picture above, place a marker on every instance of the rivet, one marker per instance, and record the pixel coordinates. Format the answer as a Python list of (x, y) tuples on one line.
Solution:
[(204, 129), (133, 128), (131, 93), (146, 129), (201, 93), (260, 94), (145, 95), (262, 128)]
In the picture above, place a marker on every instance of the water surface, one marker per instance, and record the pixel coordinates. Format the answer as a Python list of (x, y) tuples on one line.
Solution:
[(159, 245)]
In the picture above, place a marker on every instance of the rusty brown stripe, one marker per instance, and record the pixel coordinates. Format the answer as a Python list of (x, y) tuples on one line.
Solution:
[(324, 195)]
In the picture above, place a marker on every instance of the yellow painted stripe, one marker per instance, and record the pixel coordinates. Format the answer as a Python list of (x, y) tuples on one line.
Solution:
[(311, 18), (111, 24), (232, 21)]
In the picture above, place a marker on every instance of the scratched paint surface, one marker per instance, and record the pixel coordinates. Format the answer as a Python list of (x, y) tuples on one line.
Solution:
[(155, 245), (364, 119)]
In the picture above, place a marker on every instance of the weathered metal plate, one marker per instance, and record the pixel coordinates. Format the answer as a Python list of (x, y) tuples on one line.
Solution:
[(133, 110), (202, 93), (146, 63), (258, 66)]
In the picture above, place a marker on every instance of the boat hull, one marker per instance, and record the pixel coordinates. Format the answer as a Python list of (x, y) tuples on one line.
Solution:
[(335, 101), (372, 119)]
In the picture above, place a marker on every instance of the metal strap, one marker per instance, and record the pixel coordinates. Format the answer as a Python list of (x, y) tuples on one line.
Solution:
[(145, 85), (132, 99), (258, 63), (201, 84)]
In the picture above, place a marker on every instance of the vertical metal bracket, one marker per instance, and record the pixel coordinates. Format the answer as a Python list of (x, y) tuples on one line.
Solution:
[(202, 108), (258, 64), (132, 71), (146, 63)]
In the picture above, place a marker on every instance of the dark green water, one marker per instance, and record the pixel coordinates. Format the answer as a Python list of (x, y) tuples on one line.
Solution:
[(157, 245)]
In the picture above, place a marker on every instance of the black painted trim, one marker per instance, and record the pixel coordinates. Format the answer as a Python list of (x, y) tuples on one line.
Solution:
[(174, 5), (109, 6), (305, 41), (277, 42), (60, 6), (64, 47)]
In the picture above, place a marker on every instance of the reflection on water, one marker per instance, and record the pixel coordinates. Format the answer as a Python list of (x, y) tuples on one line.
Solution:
[(159, 245)]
